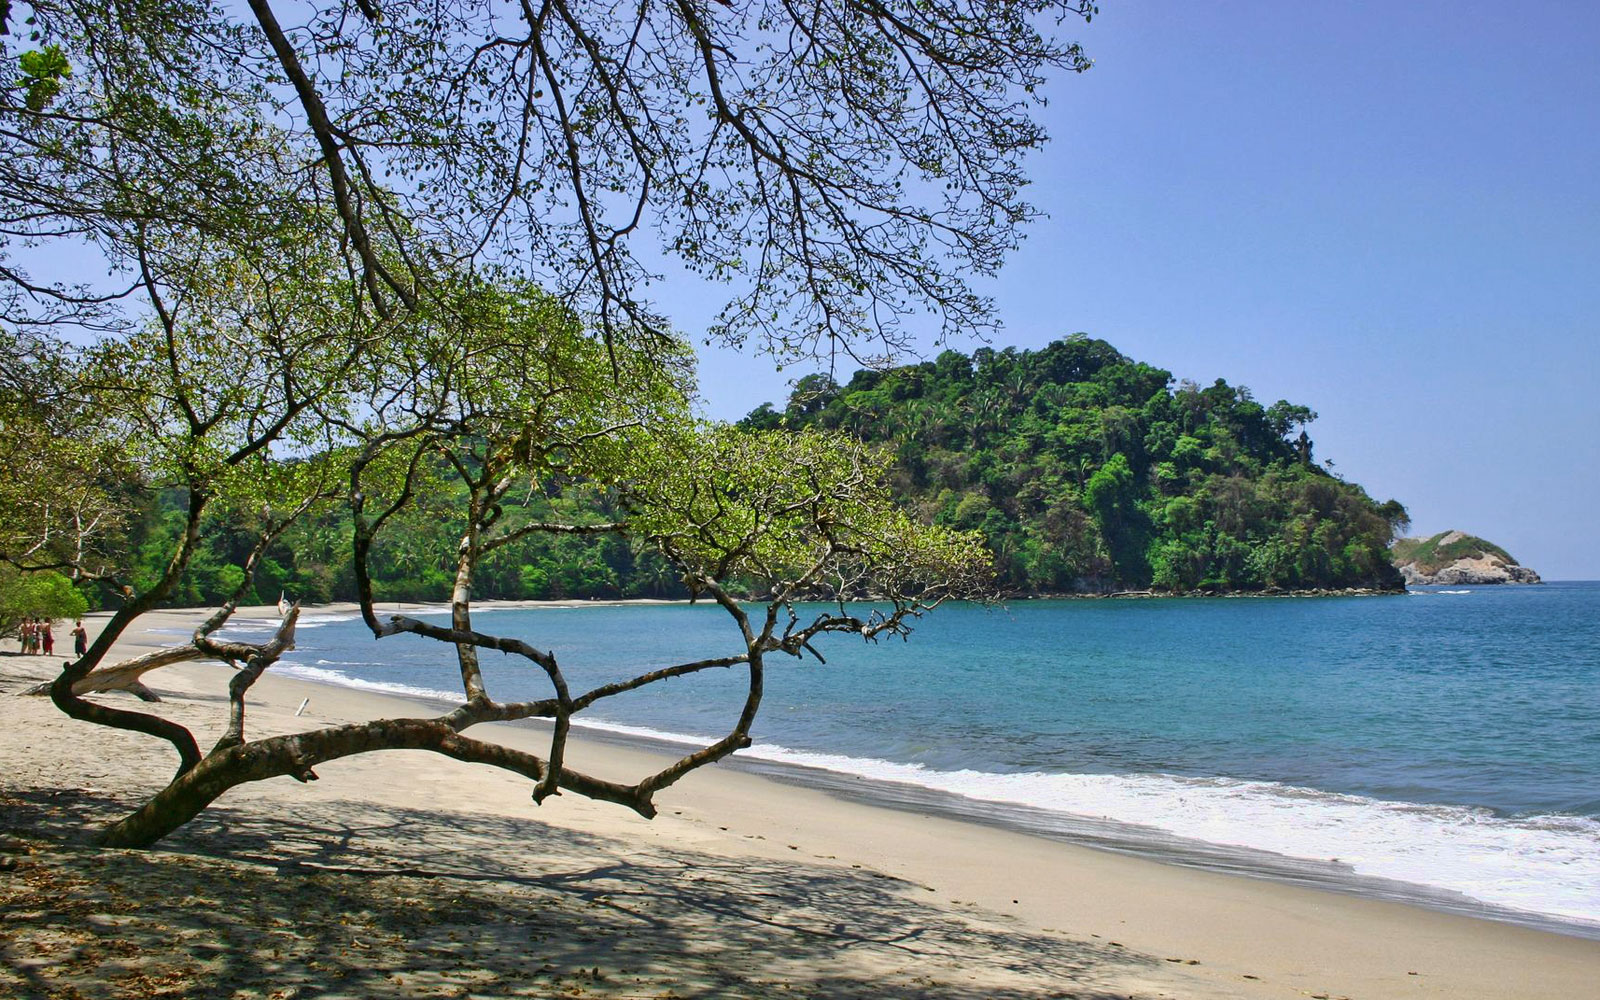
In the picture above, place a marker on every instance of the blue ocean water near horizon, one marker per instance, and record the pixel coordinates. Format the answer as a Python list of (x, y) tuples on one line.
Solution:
[(1446, 738)]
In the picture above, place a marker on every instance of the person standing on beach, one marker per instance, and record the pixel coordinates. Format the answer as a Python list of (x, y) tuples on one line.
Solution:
[(80, 639), (47, 634)]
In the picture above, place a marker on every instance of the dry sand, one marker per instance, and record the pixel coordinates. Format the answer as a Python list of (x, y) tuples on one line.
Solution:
[(406, 874)]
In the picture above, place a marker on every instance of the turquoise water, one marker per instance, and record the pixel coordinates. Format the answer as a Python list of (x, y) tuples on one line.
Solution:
[(1447, 738)]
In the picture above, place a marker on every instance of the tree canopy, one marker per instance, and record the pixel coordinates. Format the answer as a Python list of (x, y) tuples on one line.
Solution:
[(47, 595), (380, 263), (842, 164), (255, 407), (1088, 471)]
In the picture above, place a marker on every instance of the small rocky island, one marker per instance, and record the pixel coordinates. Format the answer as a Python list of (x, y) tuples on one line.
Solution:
[(1453, 558)]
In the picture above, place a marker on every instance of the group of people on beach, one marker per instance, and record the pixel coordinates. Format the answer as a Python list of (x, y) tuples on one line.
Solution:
[(38, 635)]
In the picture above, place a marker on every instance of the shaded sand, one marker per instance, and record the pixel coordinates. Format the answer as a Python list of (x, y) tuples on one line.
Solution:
[(405, 874)]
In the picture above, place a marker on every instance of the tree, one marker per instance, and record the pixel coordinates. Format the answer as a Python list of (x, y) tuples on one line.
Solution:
[(306, 222), (45, 595), (844, 163), (503, 393), (811, 394), (60, 507)]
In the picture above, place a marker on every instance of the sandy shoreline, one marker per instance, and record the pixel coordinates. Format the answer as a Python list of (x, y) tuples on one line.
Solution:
[(406, 874)]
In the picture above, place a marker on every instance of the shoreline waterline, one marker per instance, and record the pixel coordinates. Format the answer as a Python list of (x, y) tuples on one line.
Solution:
[(1526, 864), (850, 778), (773, 874), (1437, 741)]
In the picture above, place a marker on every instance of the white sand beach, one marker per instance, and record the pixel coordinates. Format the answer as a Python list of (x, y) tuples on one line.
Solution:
[(407, 874)]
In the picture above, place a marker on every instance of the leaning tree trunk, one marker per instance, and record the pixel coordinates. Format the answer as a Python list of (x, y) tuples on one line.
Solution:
[(296, 754), (228, 767)]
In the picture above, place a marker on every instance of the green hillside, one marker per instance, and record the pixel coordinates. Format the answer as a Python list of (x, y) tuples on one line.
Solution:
[(1088, 471)]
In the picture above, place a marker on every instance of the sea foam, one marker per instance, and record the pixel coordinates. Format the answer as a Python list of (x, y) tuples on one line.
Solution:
[(1547, 865), (324, 674)]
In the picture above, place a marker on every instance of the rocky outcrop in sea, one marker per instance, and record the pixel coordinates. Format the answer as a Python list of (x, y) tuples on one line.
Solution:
[(1454, 558)]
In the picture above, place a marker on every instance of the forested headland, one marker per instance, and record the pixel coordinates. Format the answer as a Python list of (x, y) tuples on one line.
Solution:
[(1089, 472), (1085, 471)]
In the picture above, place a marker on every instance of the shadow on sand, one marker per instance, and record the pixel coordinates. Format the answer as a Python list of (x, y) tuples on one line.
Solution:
[(419, 903)]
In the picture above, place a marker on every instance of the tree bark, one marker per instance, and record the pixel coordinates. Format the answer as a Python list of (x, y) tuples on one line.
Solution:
[(295, 755), (126, 676)]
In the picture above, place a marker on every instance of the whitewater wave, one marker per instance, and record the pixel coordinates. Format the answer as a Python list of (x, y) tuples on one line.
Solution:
[(325, 675), (1545, 864), (242, 628), (1542, 864)]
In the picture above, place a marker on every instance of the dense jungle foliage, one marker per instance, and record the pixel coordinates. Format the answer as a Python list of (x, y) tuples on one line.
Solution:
[(1085, 471), (311, 560), (1089, 472)]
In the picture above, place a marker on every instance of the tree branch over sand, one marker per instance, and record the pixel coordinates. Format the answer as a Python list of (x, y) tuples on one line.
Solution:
[(382, 258), (465, 417)]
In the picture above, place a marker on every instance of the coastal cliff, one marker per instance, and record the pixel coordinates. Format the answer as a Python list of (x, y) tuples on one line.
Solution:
[(1453, 558)]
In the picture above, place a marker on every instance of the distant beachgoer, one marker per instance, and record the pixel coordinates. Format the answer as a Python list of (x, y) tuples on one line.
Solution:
[(80, 638), (47, 634)]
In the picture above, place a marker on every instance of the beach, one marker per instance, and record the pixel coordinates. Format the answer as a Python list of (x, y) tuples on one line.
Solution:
[(408, 874)]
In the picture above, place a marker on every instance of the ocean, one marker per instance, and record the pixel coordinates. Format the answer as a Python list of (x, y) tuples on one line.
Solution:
[(1439, 746)]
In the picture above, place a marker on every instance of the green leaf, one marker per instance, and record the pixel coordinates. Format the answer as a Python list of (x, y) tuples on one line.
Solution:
[(43, 71)]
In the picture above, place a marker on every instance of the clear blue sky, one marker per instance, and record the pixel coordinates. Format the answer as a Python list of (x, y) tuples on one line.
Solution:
[(1389, 212)]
